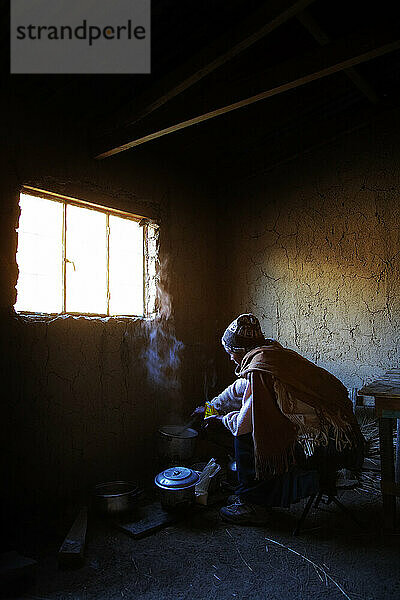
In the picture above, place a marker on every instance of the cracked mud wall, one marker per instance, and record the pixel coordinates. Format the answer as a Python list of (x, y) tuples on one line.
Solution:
[(78, 405), (314, 252)]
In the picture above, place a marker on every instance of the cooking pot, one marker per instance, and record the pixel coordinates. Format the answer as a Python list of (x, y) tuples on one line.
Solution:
[(176, 445), (115, 497), (177, 486)]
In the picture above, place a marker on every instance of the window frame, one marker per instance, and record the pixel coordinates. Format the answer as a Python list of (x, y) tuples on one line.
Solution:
[(144, 222)]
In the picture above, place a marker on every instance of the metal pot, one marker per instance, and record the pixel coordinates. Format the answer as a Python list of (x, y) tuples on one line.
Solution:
[(176, 445), (177, 486), (115, 497)]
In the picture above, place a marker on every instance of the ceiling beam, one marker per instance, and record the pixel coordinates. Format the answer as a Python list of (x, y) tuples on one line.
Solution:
[(271, 15), (322, 38), (324, 61)]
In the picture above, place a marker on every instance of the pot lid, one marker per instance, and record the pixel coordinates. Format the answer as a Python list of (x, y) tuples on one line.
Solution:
[(176, 478), (176, 431)]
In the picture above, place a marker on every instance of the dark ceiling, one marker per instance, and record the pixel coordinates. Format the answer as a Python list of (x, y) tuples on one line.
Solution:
[(189, 36)]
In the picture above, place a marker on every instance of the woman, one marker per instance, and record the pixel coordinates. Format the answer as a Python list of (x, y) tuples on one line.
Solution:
[(295, 419)]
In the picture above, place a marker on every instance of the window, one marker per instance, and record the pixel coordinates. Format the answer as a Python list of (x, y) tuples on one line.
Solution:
[(75, 257)]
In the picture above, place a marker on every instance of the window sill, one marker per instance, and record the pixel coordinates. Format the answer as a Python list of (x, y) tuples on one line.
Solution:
[(29, 317)]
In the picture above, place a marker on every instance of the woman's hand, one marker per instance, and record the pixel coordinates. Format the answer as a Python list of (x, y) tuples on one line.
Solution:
[(213, 421)]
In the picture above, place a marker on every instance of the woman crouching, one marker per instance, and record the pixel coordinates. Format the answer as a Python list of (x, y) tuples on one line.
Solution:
[(294, 429)]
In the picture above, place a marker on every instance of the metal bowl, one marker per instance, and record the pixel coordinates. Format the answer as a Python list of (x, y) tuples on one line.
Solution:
[(115, 497)]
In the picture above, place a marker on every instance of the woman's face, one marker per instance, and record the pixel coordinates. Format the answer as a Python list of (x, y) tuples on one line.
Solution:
[(237, 356)]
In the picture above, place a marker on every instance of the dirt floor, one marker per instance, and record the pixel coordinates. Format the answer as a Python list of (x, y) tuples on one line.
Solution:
[(202, 557)]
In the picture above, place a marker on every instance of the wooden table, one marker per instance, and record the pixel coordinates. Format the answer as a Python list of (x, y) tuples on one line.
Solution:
[(386, 393)]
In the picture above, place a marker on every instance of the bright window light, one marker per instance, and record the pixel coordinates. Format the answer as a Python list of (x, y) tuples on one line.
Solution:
[(40, 256), (76, 259), (86, 261), (126, 266)]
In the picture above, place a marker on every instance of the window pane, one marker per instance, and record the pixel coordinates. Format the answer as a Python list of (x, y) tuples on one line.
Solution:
[(126, 267), (86, 267), (39, 255)]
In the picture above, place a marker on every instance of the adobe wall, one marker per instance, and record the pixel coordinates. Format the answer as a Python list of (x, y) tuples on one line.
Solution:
[(313, 249)]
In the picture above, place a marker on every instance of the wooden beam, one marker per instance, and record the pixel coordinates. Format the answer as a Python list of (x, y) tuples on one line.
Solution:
[(327, 60), (322, 38), (73, 547), (271, 15)]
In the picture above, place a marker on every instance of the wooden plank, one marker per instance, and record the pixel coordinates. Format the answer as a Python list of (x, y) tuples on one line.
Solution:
[(73, 547), (387, 470), (388, 385), (325, 61), (380, 389), (397, 457), (151, 518), (266, 19)]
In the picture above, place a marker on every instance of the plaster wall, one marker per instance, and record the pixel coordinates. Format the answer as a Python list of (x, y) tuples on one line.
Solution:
[(80, 406), (314, 252)]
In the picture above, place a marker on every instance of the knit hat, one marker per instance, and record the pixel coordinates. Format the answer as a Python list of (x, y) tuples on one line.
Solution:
[(244, 333)]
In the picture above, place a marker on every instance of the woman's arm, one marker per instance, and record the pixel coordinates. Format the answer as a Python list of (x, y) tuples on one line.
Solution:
[(240, 422), (231, 398)]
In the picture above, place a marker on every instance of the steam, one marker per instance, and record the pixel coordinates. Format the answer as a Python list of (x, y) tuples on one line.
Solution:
[(162, 354), (162, 357)]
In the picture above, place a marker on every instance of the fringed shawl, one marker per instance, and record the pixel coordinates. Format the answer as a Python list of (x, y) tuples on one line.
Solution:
[(281, 379)]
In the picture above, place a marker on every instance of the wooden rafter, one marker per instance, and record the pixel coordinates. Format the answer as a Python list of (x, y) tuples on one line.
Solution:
[(271, 15), (327, 60)]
